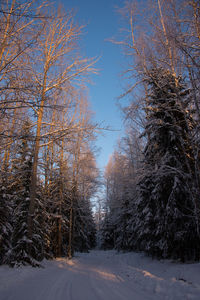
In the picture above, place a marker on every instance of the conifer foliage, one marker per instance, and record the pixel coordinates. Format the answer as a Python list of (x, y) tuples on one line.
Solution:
[(167, 221), (5, 221), (158, 207), (23, 250), (45, 129)]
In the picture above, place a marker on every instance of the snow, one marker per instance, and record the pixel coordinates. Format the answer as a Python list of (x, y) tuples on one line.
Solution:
[(102, 275)]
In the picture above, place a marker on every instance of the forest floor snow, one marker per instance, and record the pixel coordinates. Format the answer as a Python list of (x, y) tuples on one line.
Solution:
[(102, 275)]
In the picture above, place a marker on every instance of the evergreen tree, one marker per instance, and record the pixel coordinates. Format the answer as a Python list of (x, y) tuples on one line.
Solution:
[(167, 217), (122, 232), (107, 229), (84, 226), (5, 220), (24, 250)]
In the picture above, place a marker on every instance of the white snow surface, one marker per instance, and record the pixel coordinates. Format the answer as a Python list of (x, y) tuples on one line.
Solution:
[(102, 275)]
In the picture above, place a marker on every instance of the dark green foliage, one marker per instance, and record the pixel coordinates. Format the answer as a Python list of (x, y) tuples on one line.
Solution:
[(60, 198), (159, 213), (167, 218), (84, 227), (5, 221), (23, 250), (122, 231), (107, 230)]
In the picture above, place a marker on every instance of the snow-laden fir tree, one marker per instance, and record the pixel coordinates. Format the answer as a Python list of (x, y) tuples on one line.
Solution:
[(129, 171), (117, 226), (84, 226), (114, 222), (121, 209), (122, 233), (106, 232), (83, 187), (5, 218), (24, 251), (167, 223)]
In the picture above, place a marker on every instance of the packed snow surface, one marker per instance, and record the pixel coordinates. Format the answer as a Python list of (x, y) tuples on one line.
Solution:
[(102, 275)]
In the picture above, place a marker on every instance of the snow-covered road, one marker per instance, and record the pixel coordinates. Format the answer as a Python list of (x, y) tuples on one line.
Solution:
[(102, 275)]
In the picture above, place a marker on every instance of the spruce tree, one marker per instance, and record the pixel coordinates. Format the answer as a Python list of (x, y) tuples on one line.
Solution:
[(167, 217), (84, 226), (122, 232), (24, 251), (107, 230), (5, 219)]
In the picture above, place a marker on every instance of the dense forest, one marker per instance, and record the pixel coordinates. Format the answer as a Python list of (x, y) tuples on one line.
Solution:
[(48, 172), (152, 180), (48, 168)]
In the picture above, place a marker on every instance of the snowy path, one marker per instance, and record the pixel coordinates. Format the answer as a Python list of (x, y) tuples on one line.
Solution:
[(102, 275)]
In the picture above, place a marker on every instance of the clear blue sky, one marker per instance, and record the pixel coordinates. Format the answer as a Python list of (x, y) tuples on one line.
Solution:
[(102, 23)]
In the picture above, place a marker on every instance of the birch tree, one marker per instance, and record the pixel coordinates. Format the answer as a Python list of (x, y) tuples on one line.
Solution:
[(57, 44)]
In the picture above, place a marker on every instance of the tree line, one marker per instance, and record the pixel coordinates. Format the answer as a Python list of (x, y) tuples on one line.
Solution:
[(152, 180), (48, 169)]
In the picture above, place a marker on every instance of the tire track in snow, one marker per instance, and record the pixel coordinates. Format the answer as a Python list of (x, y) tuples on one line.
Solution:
[(101, 275), (108, 283)]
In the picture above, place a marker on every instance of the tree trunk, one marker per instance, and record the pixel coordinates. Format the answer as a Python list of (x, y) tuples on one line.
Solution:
[(70, 246), (60, 203), (33, 183)]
